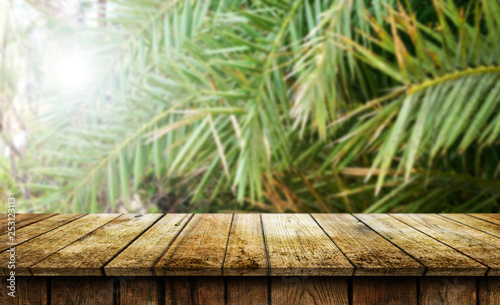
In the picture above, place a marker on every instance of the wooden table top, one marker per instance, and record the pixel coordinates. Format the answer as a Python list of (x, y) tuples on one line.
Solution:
[(253, 244)]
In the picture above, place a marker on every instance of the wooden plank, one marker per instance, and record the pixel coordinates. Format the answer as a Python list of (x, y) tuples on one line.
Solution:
[(29, 290), (139, 290), (448, 290), (194, 290), (475, 223), (371, 254), (140, 256), (199, 249), (19, 218), (246, 252), (36, 229), (36, 249), (82, 290), (89, 254), (384, 290), (494, 218), (469, 241), (439, 259), (298, 246), (247, 290), (489, 291), (23, 220), (309, 290)]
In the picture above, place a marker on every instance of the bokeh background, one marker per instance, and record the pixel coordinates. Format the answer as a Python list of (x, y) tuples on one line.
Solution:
[(232, 105)]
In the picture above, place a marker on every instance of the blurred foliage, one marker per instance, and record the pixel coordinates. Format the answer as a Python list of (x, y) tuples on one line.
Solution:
[(273, 106)]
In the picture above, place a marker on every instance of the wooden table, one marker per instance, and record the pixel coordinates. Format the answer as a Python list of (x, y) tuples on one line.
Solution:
[(253, 259)]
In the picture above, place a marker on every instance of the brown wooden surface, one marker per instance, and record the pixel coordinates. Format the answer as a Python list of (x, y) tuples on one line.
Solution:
[(139, 290), (494, 218), (298, 246), (309, 290), (36, 229), (368, 251), (29, 290), (384, 290), (22, 220), (87, 256), (247, 290), (254, 290), (246, 251), (478, 224), (140, 256), (199, 249), (82, 290), (36, 249), (439, 259), (448, 290), (194, 290), (255, 245), (489, 291), (471, 242)]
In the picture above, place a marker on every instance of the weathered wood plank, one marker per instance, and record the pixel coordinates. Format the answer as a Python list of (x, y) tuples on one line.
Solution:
[(38, 248), (489, 291), (82, 290), (22, 220), (139, 290), (371, 254), (448, 290), (36, 229), (29, 290), (309, 290), (471, 242), (494, 218), (298, 246), (194, 290), (246, 253), (475, 223), (439, 259), (140, 256), (384, 290), (199, 249), (89, 254), (247, 290)]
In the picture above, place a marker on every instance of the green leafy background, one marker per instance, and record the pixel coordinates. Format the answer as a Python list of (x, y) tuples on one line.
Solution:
[(270, 106)]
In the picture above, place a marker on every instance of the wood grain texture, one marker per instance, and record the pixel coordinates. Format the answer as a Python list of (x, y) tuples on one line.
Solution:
[(199, 249), (82, 290), (469, 241), (36, 249), (194, 291), (139, 290), (448, 290), (29, 291), (89, 254), (439, 259), (309, 290), (489, 291), (494, 218), (140, 256), (384, 290), (298, 246), (22, 220), (478, 224), (247, 290), (371, 254), (246, 251), (37, 228)]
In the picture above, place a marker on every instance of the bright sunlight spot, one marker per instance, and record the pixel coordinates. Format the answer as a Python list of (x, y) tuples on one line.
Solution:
[(71, 71)]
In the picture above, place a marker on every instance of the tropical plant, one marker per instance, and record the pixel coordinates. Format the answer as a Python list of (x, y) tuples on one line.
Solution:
[(274, 106)]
